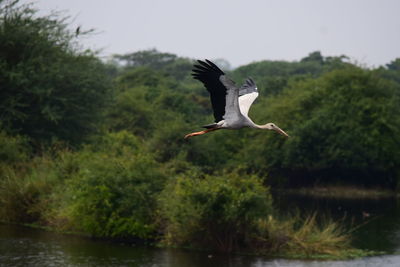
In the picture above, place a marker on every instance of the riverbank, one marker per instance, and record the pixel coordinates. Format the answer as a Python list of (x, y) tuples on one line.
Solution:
[(293, 237), (341, 192), (21, 246), (112, 191), (299, 248)]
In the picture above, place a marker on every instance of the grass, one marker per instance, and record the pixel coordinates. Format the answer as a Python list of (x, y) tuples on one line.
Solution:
[(349, 192), (306, 238)]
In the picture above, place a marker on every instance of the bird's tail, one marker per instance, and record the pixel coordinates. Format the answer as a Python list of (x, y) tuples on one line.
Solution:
[(210, 126)]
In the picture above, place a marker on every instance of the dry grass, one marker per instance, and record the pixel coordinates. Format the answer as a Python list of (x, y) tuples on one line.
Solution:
[(299, 237)]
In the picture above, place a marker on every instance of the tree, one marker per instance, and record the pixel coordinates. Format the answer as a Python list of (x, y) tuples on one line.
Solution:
[(50, 88), (273, 76), (147, 58), (344, 126), (314, 57), (394, 65), (168, 63), (392, 70)]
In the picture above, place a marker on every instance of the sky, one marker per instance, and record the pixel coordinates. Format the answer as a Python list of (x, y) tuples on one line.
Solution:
[(239, 31)]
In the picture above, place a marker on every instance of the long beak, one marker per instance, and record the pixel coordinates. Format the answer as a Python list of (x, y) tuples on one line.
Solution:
[(280, 131)]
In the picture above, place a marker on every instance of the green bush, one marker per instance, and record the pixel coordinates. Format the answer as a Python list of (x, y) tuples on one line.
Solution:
[(14, 149), (130, 111), (25, 190), (107, 189), (113, 193), (14, 156), (215, 212)]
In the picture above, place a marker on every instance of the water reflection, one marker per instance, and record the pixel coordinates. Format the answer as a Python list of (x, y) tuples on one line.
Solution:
[(21, 246)]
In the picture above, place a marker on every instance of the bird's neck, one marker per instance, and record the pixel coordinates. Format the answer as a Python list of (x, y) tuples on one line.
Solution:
[(264, 126)]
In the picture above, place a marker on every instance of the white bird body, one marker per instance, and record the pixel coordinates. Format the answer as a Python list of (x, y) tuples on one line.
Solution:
[(230, 103)]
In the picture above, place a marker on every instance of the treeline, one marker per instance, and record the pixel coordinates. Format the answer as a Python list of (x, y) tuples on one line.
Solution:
[(97, 147), (343, 119)]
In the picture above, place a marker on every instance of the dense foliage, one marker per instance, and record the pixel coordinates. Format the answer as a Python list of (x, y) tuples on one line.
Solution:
[(226, 207), (344, 126), (113, 191), (50, 90), (97, 148)]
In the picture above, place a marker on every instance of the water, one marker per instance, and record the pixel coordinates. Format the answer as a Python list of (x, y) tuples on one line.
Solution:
[(20, 246)]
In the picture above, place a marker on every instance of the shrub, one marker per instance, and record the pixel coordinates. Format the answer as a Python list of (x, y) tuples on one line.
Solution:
[(24, 192), (107, 189), (303, 237), (14, 151), (113, 192), (14, 154), (217, 212)]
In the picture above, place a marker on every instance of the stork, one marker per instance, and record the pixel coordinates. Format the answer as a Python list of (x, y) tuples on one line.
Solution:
[(230, 103)]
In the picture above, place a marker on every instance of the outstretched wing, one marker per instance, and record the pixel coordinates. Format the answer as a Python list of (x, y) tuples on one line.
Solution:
[(209, 74), (232, 110), (247, 94)]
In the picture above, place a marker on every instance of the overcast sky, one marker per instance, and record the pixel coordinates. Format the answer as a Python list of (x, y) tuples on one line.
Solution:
[(240, 31)]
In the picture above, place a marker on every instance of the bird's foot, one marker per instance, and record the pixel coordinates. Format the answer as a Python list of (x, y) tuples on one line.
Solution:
[(195, 134), (187, 136), (191, 134), (200, 133)]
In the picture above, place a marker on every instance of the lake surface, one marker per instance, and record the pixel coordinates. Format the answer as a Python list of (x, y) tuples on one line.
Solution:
[(21, 246)]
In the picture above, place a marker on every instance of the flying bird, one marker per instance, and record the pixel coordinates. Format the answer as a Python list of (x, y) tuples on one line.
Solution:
[(230, 103)]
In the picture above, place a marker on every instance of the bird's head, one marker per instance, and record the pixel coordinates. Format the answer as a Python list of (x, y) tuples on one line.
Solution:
[(272, 126)]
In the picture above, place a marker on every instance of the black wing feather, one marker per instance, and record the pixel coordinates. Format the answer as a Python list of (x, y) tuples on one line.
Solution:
[(248, 87), (209, 74)]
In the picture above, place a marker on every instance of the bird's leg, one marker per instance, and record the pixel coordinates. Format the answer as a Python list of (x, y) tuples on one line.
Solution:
[(201, 132)]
